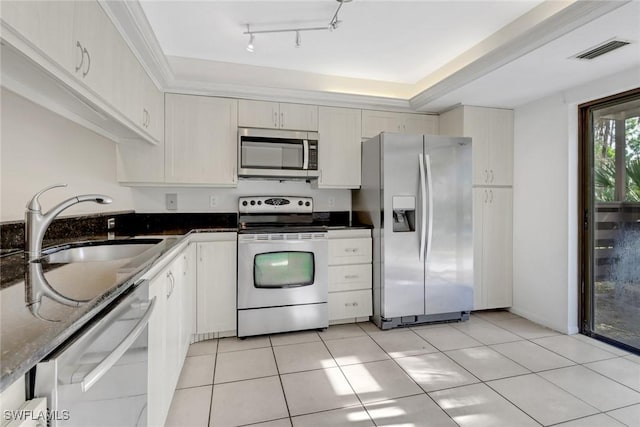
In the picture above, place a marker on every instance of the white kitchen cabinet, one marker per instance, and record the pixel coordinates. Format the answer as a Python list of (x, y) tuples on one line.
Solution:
[(374, 122), (350, 275), (151, 114), (157, 404), (188, 297), (139, 162), (277, 115), (216, 285), (200, 140), (101, 46), (491, 130), (47, 25), (493, 242), (339, 147), (169, 331)]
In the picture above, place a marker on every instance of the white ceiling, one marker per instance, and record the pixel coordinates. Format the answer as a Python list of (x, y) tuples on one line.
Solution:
[(394, 41), (397, 50)]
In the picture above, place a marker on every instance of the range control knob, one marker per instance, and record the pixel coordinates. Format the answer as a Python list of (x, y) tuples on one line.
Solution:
[(307, 204), (244, 203), (259, 202), (253, 202), (299, 202)]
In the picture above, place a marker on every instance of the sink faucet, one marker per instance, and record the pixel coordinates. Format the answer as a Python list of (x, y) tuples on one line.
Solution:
[(36, 223)]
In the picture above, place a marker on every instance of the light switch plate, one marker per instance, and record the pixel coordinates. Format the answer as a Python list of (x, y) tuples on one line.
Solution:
[(172, 201)]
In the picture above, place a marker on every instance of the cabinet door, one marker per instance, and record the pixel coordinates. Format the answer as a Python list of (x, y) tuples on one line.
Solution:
[(126, 82), (500, 124), (420, 124), (173, 361), (216, 289), (48, 25), (152, 113), (497, 248), (96, 35), (157, 406), (200, 140), (480, 197), (476, 126), (299, 117), (339, 147), (374, 122), (188, 297), (258, 114)]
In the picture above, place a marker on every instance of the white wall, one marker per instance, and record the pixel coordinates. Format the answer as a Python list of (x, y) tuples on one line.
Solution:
[(39, 148), (545, 217), (152, 200)]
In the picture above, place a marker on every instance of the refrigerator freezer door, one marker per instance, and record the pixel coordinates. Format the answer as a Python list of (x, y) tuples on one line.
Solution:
[(403, 272), (449, 261)]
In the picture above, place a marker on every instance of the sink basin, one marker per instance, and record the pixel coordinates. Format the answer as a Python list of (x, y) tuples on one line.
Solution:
[(101, 251)]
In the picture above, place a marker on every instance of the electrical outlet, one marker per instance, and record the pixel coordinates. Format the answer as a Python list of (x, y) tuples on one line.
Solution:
[(213, 201), (332, 202), (171, 201)]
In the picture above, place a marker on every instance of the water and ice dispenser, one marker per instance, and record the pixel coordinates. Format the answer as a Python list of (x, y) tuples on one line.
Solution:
[(404, 213)]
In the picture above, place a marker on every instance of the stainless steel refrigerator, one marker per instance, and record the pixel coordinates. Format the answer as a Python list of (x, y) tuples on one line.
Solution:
[(416, 193)]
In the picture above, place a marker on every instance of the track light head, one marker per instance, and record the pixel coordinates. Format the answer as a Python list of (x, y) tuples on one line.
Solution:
[(250, 47)]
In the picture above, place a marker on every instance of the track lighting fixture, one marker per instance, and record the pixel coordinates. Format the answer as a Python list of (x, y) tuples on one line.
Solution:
[(333, 24)]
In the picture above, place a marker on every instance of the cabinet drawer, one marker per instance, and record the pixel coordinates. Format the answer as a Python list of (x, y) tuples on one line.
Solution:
[(344, 305), (349, 251), (349, 277)]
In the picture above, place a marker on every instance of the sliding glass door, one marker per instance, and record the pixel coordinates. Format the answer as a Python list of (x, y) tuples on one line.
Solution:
[(610, 143)]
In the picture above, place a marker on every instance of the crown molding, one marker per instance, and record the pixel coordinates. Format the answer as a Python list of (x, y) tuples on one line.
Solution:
[(298, 96), (552, 24), (131, 22)]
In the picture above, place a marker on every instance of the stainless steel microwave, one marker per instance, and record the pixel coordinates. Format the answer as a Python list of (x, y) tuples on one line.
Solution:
[(277, 153)]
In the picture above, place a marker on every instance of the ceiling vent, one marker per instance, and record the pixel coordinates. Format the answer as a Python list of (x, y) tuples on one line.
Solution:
[(601, 49)]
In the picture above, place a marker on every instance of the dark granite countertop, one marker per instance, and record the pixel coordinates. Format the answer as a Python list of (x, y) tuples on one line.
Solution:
[(28, 334)]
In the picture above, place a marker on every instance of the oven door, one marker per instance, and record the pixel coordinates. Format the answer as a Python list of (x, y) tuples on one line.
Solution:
[(283, 269)]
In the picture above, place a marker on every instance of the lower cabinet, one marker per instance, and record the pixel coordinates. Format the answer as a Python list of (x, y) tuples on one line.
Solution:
[(350, 276), (493, 242), (170, 331), (216, 285)]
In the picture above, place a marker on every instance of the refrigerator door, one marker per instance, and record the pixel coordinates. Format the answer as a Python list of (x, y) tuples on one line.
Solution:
[(449, 240), (402, 268)]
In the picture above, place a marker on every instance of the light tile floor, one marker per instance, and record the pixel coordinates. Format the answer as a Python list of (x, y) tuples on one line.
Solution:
[(497, 369)]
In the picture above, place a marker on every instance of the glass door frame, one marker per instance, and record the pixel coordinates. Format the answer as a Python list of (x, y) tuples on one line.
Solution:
[(586, 216)]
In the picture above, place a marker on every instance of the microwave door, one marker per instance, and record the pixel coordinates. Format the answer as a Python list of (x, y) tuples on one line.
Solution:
[(271, 155)]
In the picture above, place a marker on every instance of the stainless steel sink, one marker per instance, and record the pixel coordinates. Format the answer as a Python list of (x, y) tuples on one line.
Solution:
[(101, 251)]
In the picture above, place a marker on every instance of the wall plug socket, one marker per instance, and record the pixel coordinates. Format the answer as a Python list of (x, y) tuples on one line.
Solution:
[(171, 201), (213, 201), (332, 202)]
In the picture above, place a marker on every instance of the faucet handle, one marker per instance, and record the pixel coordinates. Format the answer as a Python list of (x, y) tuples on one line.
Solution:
[(34, 204)]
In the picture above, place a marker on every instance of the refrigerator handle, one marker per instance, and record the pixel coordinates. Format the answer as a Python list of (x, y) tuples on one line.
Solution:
[(423, 210), (430, 186)]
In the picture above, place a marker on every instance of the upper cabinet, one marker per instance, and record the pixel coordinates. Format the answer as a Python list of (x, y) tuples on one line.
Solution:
[(374, 122), (491, 130), (277, 115), (339, 145), (48, 25), (201, 140), (74, 45)]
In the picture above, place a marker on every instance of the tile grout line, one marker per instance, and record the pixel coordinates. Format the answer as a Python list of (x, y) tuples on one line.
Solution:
[(284, 394), (215, 367)]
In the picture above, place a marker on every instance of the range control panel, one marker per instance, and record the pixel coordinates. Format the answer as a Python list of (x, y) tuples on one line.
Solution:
[(275, 204)]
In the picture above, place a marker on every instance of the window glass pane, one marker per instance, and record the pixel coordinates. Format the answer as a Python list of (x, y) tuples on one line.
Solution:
[(283, 269), (616, 230)]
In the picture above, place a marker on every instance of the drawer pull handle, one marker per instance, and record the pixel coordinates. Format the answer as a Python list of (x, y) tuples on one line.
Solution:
[(354, 250), (351, 276), (350, 304)]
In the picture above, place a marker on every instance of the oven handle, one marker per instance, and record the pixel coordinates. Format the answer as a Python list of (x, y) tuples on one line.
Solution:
[(107, 363), (284, 286), (305, 154)]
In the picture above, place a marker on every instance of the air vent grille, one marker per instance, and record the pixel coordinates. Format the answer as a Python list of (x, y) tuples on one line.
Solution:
[(602, 49)]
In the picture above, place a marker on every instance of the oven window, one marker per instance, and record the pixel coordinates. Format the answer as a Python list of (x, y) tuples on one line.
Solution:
[(284, 269)]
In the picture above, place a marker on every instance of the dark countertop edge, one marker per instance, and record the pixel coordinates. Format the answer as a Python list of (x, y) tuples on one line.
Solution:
[(109, 296)]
